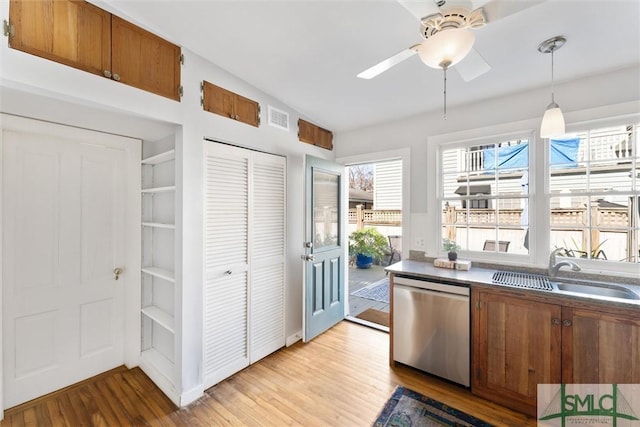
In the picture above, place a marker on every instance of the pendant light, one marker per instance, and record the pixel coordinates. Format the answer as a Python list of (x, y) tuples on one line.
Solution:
[(553, 120)]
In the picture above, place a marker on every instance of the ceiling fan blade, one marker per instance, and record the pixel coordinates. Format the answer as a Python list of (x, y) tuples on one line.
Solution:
[(420, 8), (473, 65), (498, 9), (383, 66)]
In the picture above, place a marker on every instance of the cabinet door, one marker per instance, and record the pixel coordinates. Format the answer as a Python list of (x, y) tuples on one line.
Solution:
[(247, 111), (516, 347), (306, 132), (324, 139), (600, 348), (74, 33), (144, 60), (218, 100)]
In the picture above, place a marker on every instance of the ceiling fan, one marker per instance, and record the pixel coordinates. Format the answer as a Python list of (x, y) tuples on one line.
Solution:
[(444, 26)]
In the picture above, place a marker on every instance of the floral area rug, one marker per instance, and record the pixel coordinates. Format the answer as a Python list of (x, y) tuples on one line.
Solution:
[(407, 408)]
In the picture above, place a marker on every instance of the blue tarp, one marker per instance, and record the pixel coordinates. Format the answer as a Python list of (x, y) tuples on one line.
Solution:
[(511, 157), (563, 152)]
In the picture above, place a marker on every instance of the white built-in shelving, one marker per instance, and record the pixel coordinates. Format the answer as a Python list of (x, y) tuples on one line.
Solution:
[(158, 337)]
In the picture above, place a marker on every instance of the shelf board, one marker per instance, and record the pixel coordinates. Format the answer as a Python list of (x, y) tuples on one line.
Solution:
[(160, 272), (159, 316), (166, 189), (160, 158), (159, 225)]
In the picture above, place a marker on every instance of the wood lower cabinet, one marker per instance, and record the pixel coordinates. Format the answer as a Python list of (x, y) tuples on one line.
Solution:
[(74, 33), (218, 100), (83, 36), (516, 346), (521, 340), (600, 348)]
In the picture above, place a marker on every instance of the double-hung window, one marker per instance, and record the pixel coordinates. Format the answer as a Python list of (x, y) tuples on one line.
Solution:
[(485, 195), (594, 193)]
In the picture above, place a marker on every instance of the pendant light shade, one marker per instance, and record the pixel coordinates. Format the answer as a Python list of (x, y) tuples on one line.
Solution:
[(446, 47), (553, 121)]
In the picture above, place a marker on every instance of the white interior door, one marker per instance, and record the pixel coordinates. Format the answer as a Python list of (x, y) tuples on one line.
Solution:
[(64, 224)]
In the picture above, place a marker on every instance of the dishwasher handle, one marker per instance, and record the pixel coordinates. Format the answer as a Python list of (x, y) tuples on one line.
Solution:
[(434, 293)]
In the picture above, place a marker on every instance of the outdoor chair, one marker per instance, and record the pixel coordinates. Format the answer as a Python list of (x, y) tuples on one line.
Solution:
[(490, 245), (395, 248)]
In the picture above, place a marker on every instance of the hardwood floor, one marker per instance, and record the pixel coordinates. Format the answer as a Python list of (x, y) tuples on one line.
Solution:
[(342, 378)]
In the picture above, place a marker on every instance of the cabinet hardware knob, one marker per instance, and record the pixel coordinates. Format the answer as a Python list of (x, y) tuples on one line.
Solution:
[(555, 321), (117, 272), (116, 77), (107, 73), (566, 322), (228, 273)]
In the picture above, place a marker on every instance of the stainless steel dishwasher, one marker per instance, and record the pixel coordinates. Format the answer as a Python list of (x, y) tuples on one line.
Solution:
[(431, 327)]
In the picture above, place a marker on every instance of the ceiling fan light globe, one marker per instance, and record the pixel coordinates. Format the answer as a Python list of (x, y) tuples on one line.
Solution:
[(552, 122), (447, 46)]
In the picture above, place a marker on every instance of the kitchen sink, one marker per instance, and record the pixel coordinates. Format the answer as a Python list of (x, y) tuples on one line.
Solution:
[(610, 291)]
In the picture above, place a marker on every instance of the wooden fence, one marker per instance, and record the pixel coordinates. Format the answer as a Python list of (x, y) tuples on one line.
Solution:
[(363, 217)]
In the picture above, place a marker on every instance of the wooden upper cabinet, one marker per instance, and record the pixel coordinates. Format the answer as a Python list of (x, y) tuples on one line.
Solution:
[(74, 33), (144, 60), (83, 36), (312, 134), (221, 101)]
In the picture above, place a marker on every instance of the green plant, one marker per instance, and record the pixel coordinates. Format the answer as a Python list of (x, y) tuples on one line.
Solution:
[(575, 251), (450, 245), (367, 242)]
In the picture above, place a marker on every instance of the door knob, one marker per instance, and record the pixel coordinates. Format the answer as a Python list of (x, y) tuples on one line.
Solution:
[(308, 257), (117, 272)]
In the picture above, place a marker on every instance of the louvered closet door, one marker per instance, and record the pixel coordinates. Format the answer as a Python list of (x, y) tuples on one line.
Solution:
[(226, 292), (244, 256), (267, 255)]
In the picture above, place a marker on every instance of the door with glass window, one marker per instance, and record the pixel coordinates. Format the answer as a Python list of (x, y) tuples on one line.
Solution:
[(324, 253)]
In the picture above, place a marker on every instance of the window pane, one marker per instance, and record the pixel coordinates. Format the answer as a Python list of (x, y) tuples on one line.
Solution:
[(325, 209)]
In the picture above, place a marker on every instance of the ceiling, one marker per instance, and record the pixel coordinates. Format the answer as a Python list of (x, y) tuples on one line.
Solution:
[(307, 53)]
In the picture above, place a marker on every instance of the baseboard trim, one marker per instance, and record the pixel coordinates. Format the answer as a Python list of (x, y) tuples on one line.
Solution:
[(292, 339)]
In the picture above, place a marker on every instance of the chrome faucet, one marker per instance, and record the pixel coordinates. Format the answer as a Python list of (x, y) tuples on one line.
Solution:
[(554, 266)]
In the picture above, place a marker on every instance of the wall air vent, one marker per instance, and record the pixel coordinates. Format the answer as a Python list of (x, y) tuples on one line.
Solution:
[(278, 118)]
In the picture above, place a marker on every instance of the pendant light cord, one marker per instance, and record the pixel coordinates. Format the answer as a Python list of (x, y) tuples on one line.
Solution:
[(553, 100)]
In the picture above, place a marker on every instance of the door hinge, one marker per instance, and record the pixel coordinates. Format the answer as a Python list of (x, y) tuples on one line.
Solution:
[(181, 59), (202, 101), (180, 91), (9, 30)]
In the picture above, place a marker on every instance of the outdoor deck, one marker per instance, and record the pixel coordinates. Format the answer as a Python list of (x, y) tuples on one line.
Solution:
[(359, 278)]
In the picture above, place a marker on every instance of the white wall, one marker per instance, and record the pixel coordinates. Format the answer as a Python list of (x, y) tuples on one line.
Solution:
[(42, 89), (612, 94)]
